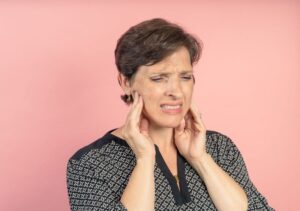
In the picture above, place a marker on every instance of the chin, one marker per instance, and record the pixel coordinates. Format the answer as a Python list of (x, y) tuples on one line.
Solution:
[(164, 121), (169, 123)]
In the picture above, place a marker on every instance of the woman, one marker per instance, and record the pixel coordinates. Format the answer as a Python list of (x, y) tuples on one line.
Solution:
[(162, 158)]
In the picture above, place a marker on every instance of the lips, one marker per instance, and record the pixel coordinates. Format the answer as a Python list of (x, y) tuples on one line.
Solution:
[(171, 108)]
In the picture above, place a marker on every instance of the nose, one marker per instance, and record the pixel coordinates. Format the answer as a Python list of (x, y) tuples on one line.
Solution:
[(174, 88)]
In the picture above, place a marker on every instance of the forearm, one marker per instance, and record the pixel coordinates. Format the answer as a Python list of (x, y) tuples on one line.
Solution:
[(140, 190), (225, 193)]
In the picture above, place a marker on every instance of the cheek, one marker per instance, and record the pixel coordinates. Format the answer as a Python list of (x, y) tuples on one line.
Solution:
[(151, 94), (150, 108), (150, 101), (188, 91)]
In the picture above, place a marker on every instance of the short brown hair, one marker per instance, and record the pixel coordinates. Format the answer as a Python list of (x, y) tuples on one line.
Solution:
[(149, 42)]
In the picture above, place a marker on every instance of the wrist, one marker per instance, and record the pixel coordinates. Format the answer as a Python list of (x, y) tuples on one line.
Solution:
[(201, 163), (200, 158), (146, 160)]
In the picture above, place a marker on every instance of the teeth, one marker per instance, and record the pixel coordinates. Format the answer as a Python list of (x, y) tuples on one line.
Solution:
[(170, 107)]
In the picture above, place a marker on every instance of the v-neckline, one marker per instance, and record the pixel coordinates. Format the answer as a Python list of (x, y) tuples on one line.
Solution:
[(181, 195)]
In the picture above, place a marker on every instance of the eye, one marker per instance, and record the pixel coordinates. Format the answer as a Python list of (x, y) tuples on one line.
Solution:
[(187, 77), (157, 79)]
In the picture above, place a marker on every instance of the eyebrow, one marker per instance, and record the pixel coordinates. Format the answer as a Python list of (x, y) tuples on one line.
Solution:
[(168, 73)]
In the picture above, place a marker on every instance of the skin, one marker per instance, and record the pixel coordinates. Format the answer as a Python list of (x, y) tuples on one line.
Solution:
[(170, 82)]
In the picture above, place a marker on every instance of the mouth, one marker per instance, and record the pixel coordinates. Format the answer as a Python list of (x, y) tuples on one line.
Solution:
[(171, 109)]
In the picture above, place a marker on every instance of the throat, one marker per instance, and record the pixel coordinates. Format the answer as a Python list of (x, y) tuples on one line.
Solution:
[(170, 160)]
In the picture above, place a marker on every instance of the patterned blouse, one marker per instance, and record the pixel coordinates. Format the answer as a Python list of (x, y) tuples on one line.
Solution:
[(98, 173)]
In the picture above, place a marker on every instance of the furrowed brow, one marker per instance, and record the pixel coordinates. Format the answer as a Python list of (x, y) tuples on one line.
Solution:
[(169, 73), (186, 72)]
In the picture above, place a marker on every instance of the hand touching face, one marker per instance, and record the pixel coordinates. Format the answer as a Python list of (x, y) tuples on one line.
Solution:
[(190, 135), (135, 130)]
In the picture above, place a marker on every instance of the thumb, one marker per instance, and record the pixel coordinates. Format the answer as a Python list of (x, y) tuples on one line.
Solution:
[(144, 124), (180, 128)]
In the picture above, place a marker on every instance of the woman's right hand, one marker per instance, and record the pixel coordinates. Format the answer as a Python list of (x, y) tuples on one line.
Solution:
[(135, 131)]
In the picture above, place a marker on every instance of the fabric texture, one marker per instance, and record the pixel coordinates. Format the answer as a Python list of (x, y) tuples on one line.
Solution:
[(98, 174)]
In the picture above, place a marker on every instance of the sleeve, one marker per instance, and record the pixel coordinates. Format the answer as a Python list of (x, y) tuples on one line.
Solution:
[(87, 191), (233, 163)]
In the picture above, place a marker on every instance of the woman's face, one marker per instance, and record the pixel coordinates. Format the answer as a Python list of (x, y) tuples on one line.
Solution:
[(166, 88)]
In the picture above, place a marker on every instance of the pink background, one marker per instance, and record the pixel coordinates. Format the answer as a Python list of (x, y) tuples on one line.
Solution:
[(59, 90)]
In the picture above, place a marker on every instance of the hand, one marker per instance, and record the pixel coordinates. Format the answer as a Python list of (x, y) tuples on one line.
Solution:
[(135, 130), (190, 136)]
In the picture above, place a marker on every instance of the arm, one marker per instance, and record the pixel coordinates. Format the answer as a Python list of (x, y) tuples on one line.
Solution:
[(231, 161), (190, 139), (227, 180), (223, 190), (87, 191), (139, 192)]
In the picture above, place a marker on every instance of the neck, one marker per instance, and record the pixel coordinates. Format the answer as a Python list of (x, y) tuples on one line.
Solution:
[(162, 137)]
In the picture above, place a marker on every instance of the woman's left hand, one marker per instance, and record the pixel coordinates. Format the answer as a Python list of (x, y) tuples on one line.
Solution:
[(190, 136)]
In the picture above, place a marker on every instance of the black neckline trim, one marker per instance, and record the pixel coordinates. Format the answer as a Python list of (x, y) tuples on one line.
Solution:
[(181, 196)]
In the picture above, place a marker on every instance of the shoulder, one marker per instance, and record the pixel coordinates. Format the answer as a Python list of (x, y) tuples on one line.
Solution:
[(218, 139), (102, 150), (220, 145)]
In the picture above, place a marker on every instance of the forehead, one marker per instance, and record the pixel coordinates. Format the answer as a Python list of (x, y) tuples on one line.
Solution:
[(177, 62)]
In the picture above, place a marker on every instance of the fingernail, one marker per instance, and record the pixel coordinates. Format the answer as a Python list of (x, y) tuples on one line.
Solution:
[(133, 94)]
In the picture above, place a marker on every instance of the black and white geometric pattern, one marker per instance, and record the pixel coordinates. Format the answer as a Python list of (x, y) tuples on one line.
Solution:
[(98, 174)]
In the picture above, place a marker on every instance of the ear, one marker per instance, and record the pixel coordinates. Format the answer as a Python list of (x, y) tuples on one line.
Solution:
[(124, 83)]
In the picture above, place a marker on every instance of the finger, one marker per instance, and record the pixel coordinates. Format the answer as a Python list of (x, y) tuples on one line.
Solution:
[(144, 124), (133, 118), (198, 122), (135, 115), (135, 97), (137, 110), (132, 105), (180, 128), (188, 120), (194, 112)]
